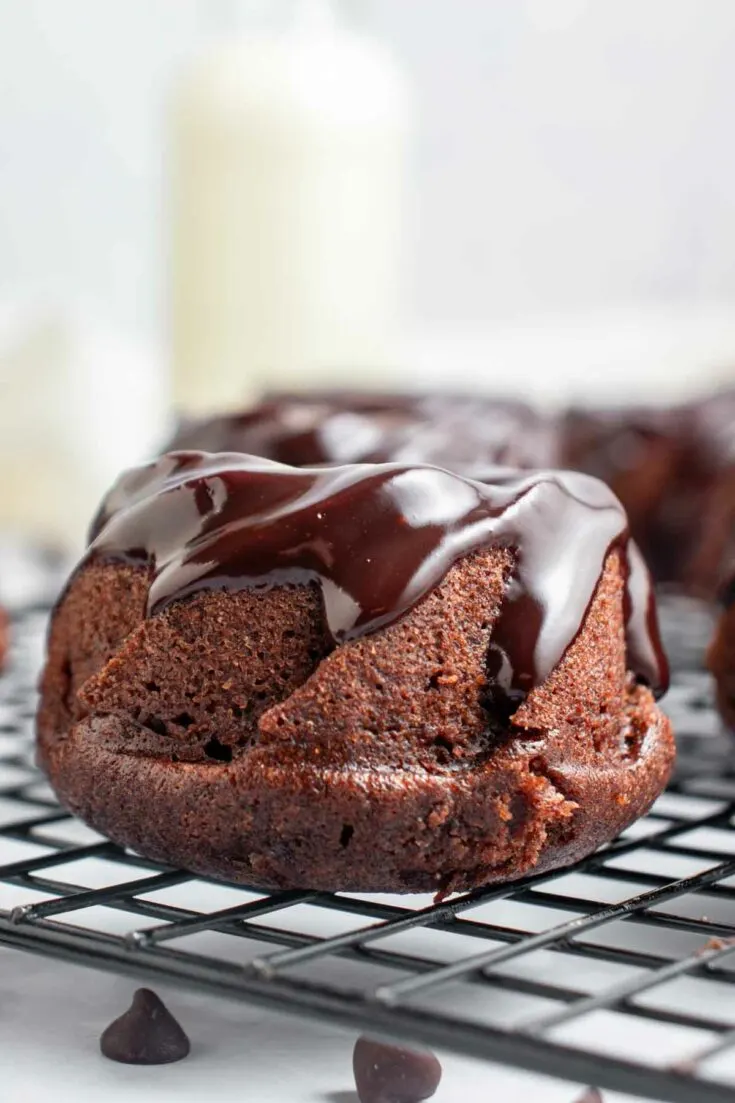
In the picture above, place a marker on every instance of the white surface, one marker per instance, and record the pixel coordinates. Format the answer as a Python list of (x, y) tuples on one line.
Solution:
[(54, 1013)]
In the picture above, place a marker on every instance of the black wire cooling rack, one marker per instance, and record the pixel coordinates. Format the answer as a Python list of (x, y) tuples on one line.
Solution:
[(619, 972)]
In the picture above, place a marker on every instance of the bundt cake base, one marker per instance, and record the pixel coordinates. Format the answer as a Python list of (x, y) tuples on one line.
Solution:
[(286, 826)]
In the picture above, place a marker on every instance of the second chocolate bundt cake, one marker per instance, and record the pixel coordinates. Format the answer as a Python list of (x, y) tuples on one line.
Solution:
[(674, 471), (672, 468), (377, 677), (350, 426)]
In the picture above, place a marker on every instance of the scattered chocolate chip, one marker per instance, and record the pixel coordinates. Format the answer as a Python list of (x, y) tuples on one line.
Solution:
[(388, 1074), (147, 1034), (592, 1095)]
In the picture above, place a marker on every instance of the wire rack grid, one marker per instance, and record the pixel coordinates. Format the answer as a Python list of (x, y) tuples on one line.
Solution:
[(619, 972)]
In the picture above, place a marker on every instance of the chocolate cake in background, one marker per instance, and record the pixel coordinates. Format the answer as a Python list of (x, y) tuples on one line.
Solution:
[(355, 427), (672, 468), (674, 471), (377, 677)]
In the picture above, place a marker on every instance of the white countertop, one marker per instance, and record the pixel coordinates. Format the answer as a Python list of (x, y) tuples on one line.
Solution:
[(53, 1015)]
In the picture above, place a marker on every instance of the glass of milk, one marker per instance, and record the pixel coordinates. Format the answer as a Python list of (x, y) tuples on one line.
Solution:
[(288, 151)]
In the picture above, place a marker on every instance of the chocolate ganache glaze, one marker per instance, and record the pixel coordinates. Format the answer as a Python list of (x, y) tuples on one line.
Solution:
[(352, 427), (376, 538)]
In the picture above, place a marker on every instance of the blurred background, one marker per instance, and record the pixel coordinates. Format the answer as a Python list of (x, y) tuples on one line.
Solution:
[(198, 200)]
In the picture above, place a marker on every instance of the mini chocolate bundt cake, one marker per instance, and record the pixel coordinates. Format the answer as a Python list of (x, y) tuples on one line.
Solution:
[(376, 677)]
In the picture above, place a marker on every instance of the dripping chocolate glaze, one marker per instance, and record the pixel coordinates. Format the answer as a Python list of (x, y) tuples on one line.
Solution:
[(376, 538)]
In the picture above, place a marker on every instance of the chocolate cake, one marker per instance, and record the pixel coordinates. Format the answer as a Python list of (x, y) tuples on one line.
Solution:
[(373, 677), (348, 427), (672, 468), (674, 471)]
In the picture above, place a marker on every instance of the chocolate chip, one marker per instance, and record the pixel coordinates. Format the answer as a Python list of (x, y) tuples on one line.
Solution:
[(388, 1074), (147, 1034)]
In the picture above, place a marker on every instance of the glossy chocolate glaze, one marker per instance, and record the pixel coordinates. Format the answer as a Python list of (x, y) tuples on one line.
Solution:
[(350, 427), (376, 538)]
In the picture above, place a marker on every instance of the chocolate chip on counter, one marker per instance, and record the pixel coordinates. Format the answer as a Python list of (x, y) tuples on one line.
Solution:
[(389, 1074), (147, 1034)]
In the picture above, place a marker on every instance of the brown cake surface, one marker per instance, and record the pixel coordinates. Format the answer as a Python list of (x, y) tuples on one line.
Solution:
[(377, 678)]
